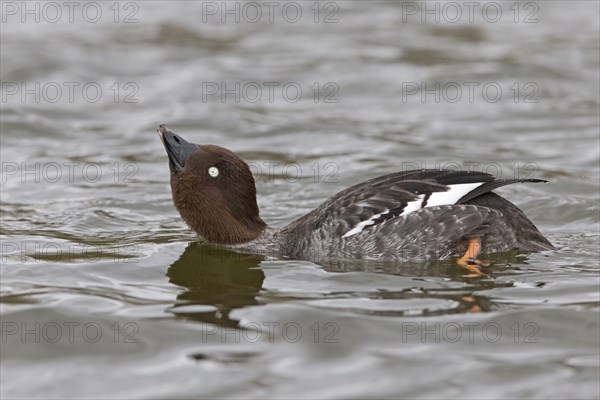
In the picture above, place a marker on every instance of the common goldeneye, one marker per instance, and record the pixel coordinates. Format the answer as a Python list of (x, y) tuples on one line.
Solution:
[(410, 215)]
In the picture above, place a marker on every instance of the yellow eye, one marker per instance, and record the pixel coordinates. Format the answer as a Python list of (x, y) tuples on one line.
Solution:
[(213, 171)]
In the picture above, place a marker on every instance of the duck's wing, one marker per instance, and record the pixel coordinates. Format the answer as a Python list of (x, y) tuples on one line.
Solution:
[(428, 233), (366, 206)]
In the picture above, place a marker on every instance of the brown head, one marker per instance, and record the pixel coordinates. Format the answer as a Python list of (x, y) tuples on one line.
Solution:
[(213, 190)]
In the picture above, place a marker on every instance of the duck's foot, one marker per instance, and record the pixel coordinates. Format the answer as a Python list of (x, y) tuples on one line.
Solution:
[(469, 260), (473, 307)]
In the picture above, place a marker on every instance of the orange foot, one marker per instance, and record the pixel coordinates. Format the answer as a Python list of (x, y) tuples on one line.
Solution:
[(469, 259)]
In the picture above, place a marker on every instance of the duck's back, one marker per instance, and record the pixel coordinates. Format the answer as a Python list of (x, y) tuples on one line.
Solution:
[(413, 215)]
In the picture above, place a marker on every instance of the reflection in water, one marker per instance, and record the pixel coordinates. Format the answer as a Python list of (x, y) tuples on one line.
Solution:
[(217, 281), (501, 264), (438, 268), (218, 278)]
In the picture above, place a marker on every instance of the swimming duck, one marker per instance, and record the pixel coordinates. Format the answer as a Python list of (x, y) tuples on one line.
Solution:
[(414, 215)]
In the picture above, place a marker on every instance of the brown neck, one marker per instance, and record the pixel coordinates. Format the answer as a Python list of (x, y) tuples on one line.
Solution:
[(223, 228), (219, 222)]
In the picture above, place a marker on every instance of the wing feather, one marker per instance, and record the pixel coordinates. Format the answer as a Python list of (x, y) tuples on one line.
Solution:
[(368, 205)]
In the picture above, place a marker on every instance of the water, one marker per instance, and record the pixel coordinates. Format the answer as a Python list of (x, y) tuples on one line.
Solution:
[(106, 293)]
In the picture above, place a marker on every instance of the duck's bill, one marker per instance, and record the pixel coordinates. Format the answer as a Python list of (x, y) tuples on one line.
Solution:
[(177, 148)]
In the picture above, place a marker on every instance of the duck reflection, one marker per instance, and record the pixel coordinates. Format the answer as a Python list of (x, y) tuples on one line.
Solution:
[(225, 280), (218, 278), (468, 297), (499, 263)]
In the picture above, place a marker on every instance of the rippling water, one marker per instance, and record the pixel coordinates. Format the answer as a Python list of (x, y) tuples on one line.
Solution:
[(106, 293)]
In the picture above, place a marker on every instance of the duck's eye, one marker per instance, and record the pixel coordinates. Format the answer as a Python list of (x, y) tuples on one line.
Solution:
[(213, 171)]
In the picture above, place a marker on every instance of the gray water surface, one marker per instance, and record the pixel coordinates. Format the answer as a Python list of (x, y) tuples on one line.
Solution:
[(105, 293)]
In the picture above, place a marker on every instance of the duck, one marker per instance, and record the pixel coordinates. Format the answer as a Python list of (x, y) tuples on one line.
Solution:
[(414, 215)]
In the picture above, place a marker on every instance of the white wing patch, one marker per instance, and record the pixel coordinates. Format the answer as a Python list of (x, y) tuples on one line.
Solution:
[(450, 197), (414, 205), (358, 228)]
